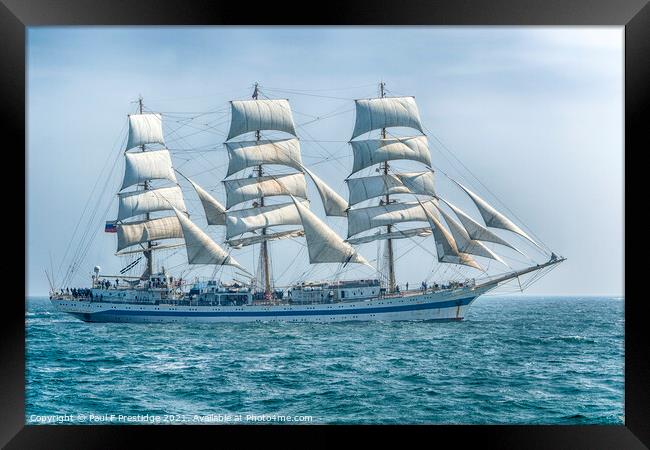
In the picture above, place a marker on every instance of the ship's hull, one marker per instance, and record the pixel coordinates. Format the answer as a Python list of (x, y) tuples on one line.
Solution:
[(430, 306)]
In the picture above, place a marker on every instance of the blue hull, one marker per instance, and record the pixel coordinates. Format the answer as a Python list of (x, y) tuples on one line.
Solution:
[(420, 307)]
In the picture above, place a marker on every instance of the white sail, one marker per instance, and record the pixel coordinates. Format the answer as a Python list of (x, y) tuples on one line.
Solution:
[(334, 204), (133, 233), (215, 213), (246, 154), (243, 242), (254, 115), (397, 234), (362, 219), (377, 113), (145, 129), (476, 231), (494, 218), (157, 247), (324, 245), (142, 202), (446, 247), (144, 166), (365, 188), (251, 219), (201, 249), (374, 151), (464, 243), (244, 189)]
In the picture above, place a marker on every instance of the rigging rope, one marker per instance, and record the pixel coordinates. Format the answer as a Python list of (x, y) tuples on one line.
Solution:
[(486, 188), (90, 196), (84, 245)]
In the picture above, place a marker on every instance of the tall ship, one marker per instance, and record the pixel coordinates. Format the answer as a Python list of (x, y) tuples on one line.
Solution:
[(267, 203)]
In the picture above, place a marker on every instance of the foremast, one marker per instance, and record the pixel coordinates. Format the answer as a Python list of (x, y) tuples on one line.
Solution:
[(380, 113), (455, 245)]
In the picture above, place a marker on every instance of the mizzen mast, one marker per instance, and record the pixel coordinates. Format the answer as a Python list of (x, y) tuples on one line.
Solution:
[(389, 242), (140, 168), (148, 254)]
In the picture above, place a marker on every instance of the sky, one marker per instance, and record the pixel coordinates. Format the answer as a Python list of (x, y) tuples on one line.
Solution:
[(531, 118)]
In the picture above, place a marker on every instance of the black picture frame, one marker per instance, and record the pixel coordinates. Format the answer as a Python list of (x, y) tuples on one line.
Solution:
[(16, 15)]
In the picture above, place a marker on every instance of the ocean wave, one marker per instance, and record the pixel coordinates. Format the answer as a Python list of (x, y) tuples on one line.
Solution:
[(576, 338), (54, 369), (514, 362)]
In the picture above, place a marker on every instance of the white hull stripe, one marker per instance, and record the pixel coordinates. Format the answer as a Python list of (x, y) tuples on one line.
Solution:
[(311, 312)]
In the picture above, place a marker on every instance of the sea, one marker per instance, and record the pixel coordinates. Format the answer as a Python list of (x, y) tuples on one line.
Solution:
[(512, 360)]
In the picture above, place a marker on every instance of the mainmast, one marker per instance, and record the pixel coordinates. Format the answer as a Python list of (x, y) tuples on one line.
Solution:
[(389, 242), (148, 254), (264, 250), (253, 116)]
